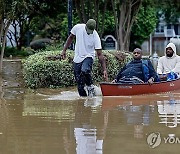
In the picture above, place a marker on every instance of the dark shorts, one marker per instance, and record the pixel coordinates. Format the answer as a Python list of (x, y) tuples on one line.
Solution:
[(82, 73)]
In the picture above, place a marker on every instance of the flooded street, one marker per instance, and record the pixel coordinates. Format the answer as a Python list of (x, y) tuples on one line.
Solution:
[(58, 121)]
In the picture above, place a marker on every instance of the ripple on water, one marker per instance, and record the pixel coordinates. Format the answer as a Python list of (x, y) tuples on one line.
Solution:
[(72, 95), (65, 95)]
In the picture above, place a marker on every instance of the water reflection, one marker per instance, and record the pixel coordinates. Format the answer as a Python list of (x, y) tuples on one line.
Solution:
[(79, 113), (137, 111), (88, 134), (139, 116), (59, 121), (87, 141), (3, 108), (88, 125), (169, 112)]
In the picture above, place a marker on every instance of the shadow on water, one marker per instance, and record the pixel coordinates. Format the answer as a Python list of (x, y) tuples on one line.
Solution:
[(59, 121)]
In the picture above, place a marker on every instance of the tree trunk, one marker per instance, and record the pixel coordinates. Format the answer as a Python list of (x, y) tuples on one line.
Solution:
[(83, 11), (10, 37), (121, 27), (1, 30), (78, 9), (116, 23), (96, 6), (125, 19), (103, 18), (3, 41)]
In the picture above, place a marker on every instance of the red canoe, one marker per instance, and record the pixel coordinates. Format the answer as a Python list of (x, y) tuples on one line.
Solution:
[(115, 89)]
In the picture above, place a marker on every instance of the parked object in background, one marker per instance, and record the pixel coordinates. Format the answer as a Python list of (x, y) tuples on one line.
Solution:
[(40, 43), (109, 43), (155, 58)]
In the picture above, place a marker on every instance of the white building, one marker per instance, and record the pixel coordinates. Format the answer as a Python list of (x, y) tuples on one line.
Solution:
[(161, 37)]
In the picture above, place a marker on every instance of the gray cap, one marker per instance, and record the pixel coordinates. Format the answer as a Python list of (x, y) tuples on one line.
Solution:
[(90, 26)]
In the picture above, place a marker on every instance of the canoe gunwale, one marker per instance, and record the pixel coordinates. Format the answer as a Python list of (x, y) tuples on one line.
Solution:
[(110, 83)]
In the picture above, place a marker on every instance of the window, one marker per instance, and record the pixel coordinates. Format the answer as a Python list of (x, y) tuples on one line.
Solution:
[(160, 28)]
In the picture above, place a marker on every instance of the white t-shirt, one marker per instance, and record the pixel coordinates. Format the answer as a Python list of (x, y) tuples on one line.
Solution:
[(85, 44)]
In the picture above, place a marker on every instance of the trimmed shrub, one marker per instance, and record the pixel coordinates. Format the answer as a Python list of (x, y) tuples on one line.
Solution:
[(40, 72)]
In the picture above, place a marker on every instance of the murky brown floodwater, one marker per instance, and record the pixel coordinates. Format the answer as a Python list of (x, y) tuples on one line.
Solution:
[(49, 121)]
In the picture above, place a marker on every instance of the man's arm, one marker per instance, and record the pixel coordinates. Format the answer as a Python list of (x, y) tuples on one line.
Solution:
[(103, 63), (67, 44)]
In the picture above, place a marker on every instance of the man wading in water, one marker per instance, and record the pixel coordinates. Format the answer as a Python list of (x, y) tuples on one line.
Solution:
[(87, 42)]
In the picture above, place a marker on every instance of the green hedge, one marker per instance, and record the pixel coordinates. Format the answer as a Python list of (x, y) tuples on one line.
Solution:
[(14, 52), (39, 72)]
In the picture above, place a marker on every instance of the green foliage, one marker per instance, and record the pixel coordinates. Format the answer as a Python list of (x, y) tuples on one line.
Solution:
[(53, 28), (40, 72), (109, 24), (170, 9), (55, 46), (145, 24), (11, 51)]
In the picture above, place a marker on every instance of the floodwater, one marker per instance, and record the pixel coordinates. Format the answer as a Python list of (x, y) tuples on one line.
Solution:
[(58, 121)]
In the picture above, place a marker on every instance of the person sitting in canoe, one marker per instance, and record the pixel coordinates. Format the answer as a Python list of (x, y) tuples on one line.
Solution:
[(137, 71), (168, 67)]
